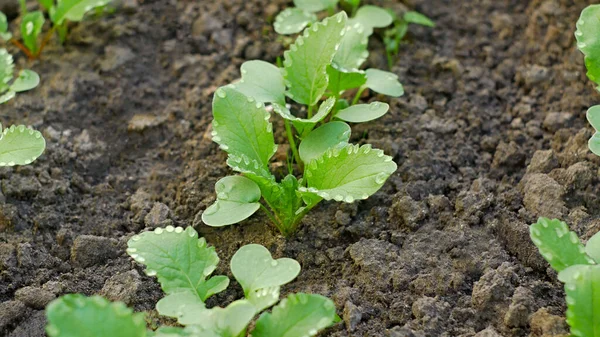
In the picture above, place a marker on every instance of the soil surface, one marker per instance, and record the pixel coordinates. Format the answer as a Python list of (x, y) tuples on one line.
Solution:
[(490, 135)]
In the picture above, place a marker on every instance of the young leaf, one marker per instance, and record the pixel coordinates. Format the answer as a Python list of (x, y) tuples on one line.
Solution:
[(302, 125), (298, 315), (305, 64), (559, 246), (47, 4), (179, 259), (262, 81), (373, 17), (285, 200), (322, 139), (20, 145), (31, 27), (384, 82), (292, 21), (173, 305), (418, 18), (74, 10), (315, 5), (6, 69), (592, 247), (263, 298), (593, 117), (254, 268), (360, 113), (348, 173), (588, 40), (4, 33), (353, 49), (27, 80), (582, 288), (340, 81), (241, 126), (222, 322), (237, 199), (76, 315)]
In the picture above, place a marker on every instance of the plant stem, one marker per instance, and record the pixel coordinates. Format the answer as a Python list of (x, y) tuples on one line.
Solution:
[(271, 216), (24, 49), (45, 41), (309, 113), (358, 94), (290, 135)]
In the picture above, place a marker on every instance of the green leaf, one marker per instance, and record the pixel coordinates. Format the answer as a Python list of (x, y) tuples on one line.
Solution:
[(384, 82), (222, 322), (559, 246), (262, 81), (292, 21), (593, 117), (305, 69), (418, 18), (20, 145), (175, 304), (592, 247), (75, 10), (76, 315), (179, 259), (241, 127), (284, 199), (254, 268), (340, 81), (582, 289), (31, 27), (322, 139), (7, 96), (588, 40), (298, 315), (348, 173), (237, 199), (263, 298), (373, 17), (303, 125), (6, 69), (47, 4), (3, 23), (315, 5), (352, 51), (360, 113), (171, 331), (27, 80)]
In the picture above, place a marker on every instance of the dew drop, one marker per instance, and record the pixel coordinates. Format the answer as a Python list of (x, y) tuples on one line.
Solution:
[(223, 195), (581, 45), (274, 263), (380, 178), (374, 106), (221, 93), (192, 233), (250, 99), (131, 250), (11, 163), (300, 41), (315, 28), (170, 229), (573, 237), (269, 128), (158, 230), (136, 238), (216, 139), (150, 272), (338, 198), (223, 147), (578, 33), (212, 209), (140, 259)]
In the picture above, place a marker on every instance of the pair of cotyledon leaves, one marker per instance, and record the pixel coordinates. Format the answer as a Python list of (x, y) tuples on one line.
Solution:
[(184, 264), (335, 170), (578, 269)]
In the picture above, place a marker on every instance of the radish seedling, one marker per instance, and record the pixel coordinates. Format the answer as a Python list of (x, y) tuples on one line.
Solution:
[(332, 168), (60, 13), (577, 268), (183, 265), (393, 36), (9, 86)]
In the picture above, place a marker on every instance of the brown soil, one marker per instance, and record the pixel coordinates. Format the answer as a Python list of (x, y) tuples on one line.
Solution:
[(490, 135)]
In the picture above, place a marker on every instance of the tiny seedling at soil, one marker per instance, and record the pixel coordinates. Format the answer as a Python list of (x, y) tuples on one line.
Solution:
[(588, 41), (577, 268), (363, 19), (333, 169), (9, 86), (60, 12), (183, 264)]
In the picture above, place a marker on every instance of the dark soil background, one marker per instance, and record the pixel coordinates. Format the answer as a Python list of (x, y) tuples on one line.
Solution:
[(490, 135)]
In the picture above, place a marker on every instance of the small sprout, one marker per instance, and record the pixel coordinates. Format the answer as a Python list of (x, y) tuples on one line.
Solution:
[(393, 36), (9, 86), (181, 261), (20, 145), (4, 33), (237, 199), (31, 27)]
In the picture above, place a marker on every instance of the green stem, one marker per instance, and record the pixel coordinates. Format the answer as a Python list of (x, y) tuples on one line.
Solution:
[(358, 94), (290, 135), (271, 217), (309, 113)]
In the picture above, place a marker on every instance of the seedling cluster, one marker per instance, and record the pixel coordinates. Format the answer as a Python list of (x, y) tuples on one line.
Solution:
[(364, 19), (183, 264), (317, 118), (60, 13)]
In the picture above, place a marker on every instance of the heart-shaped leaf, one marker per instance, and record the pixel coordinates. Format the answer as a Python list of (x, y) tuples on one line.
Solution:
[(348, 173), (588, 40), (322, 139), (20, 145), (305, 69), (384, 82), (31, 27), (304, 125), (315, 5), (593, 116), (180, 260), (582, 289), (241, 127), (237, 199), (222, 322), (298, 315), (76, 315), (262, 81), (418, 18), (360, 113), (373, 17), (27, 80), (254, 268), (292, 21), (74, 10)]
